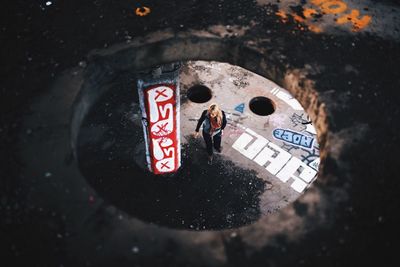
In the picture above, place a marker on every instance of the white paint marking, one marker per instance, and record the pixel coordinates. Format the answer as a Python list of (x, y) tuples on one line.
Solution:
[(311, 129), (159, 94), (281, 163), (274, 90), (252, 150), (299, 185), (242, 142), (290, 169), (166, 165), (315, 164), (276, 157), (288, 99)]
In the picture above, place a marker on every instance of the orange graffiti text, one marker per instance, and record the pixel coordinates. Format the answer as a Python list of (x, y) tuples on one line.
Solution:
[(322, 7)]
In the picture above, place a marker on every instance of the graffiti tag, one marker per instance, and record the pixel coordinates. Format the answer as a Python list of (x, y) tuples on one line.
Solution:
[(280, 163), (240, 108), (321, 7), (294, 138), (162, 127)]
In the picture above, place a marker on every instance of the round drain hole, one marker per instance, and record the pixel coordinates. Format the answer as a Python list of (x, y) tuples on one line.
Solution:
[(199, 93), (262, 106)]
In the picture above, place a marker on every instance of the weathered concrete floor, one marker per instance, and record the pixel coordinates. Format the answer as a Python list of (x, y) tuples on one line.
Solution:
[(233, 88)]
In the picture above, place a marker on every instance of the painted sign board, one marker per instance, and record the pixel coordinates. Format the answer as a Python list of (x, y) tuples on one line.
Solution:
[(159, 101)]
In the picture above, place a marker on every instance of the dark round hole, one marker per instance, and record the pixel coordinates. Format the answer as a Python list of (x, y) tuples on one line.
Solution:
[(199, 94), (262, 106)]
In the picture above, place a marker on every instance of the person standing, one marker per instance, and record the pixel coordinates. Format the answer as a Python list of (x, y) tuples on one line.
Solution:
[(213, 120)]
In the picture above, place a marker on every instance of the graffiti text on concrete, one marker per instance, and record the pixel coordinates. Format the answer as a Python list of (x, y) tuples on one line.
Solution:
[(294, 138), (277, 161), (319, 8), (162, 127)]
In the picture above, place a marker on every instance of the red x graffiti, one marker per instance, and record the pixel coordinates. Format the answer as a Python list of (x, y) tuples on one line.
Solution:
[(164, 165), (161, 129), (160, 93)]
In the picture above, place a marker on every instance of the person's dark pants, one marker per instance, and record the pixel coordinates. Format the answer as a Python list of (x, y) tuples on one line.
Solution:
[(210, 142)]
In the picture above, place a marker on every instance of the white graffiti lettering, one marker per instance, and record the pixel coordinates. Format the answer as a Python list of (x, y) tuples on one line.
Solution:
[(275, 160)]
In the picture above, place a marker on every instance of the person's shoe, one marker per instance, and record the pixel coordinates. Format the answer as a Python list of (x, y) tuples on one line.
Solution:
[(210, 158), (219, 150)]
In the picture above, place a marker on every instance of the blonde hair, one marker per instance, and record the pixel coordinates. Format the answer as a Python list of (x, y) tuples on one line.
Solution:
[(214, 109)]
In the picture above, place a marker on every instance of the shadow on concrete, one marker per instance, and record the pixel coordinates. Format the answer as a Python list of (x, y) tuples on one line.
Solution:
[(199, 196)]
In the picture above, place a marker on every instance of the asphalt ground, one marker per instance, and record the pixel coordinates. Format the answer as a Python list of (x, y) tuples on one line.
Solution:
[(356, 78)]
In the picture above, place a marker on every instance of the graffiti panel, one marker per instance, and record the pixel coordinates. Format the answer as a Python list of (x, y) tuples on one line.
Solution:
[(162, 128), (294, 138), (277, 161)]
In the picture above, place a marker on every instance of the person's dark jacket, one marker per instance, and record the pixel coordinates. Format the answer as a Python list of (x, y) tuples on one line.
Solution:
[(205, 118)]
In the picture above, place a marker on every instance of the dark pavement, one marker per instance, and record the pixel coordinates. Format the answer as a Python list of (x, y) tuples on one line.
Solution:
[(61, 207)]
